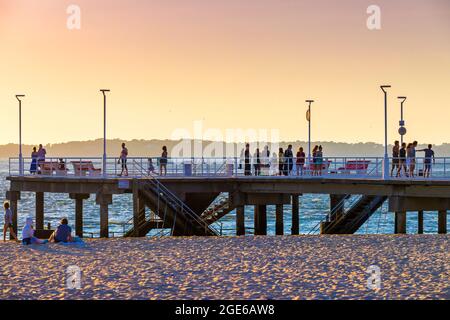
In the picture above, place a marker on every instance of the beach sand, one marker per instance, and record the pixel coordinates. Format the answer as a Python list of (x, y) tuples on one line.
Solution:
[(293, 267)]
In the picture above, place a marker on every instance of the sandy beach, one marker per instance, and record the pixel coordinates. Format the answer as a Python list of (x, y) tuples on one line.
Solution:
[(303, 267)]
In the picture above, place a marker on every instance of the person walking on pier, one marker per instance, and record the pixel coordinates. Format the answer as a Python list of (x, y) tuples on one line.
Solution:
[(300, 161), (8, 223), (395, 157), (34, 160), (429, 155), (247, 164), (163, 162), (123, 160), (280, 161), (257, 164)]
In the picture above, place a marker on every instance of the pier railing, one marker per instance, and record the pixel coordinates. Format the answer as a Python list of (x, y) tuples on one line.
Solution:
[(345, 167)]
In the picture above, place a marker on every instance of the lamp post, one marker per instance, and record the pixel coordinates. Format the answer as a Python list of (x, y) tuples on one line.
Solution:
[(308, 117), (104, 91), (402, 129), (19, 97), (386, 157)]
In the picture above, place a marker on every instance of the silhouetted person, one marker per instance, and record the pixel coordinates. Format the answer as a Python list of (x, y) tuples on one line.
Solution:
[(247, 165), (300, 161), (257, 164), (280, 161), (123, 160), (34, 161), (429, 155), (395, 157), (289, 160), (163, 162)]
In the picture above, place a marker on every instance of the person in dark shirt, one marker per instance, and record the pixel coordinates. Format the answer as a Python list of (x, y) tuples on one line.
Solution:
[(395, 157), (300, 161), (429, 154), (247, 164), (63, 233), (402, 161)]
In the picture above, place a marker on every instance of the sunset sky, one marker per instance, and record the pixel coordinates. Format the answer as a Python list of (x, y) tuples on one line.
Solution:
[(233, 64)]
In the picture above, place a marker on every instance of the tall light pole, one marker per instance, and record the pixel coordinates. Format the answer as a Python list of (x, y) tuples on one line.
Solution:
[(104, 91), (402, 129), (386, 156), (19, 98), (308, 117)]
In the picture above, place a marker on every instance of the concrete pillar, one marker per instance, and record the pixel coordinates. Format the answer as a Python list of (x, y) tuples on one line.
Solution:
[(240, 221), (420, 222), (104, 200), (40, 210), (295, 230), (400, 222), (79, 212), (442, 222), (337, 205), (13, 197), (138, 211), (261, 220), (279, 220)]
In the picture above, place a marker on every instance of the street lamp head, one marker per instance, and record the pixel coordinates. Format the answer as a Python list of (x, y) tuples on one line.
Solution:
[(309, 101), (402, 98), (384, 87), (104, 91), (19, 96)]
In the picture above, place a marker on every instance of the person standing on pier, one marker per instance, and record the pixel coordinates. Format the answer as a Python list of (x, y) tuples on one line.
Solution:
[(319, 159), (280, 161), (41, 153), (395, 157), (411, 153), (163, 162), (8, 224), (247, 165), (429, 154), (257, 164), (289, 161), (34, 160), (123, 160), (300, 161), (402, 161)]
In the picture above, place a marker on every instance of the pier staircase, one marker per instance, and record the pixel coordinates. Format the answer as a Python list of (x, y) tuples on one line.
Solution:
[(218, 209), (170, 212), (350, 220)]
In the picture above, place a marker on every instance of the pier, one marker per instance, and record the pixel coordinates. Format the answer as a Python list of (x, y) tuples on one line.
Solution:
[(191, 199)]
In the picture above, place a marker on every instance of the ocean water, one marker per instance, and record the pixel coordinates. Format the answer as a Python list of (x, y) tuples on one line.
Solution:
[(313, 209)]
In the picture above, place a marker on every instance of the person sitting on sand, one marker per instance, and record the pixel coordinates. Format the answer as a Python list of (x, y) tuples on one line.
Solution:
[(63, 233), (8, 223), (28, 234)]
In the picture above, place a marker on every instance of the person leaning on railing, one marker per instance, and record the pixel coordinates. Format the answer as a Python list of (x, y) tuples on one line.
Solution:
[(429, 154)]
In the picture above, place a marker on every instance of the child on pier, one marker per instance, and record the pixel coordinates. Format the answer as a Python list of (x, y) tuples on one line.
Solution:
[(8, 224)]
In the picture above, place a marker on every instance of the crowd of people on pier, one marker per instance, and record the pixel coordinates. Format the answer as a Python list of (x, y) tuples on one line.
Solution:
[(404, 160)]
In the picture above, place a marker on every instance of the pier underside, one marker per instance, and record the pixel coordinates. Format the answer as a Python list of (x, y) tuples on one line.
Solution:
[(200, 202)]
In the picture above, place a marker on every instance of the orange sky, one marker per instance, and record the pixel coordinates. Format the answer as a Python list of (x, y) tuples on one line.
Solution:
[(232, 64)]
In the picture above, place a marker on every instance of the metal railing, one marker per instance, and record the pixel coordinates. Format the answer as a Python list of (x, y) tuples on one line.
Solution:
[(139, 167)]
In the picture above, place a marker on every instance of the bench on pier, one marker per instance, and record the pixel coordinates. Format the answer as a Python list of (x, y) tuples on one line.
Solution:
[(325, 166), (47, 168), (82, 168), (358, 166)]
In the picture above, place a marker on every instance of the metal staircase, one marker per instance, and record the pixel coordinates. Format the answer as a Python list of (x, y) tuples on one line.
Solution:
[(350, 220), (218, 209), (170, 211)]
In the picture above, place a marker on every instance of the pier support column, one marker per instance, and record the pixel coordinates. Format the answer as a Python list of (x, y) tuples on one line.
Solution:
[(420, 222), (337, 205), (79, 212), (240, 221), (13, 197), (40, 210), (295, 230), (138, 211), (104, 200), (261, 220), (279, 220), (442, 222), (400, 222)]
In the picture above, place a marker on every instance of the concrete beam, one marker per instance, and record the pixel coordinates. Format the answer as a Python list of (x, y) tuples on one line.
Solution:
[(418, 204), (104, 200), (240, 199), (295, 230), (39, 210), (279, 220), (442, 222), (240, 221), (400, 222)]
